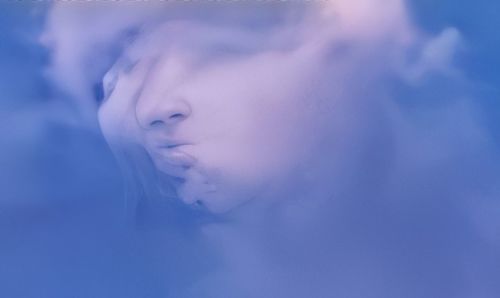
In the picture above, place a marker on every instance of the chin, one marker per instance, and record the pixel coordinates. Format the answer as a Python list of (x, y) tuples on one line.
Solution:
[(218, 208), (218, 204)]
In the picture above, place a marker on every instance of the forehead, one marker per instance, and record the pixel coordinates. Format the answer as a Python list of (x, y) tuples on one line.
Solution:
[(196, 45), (213, 26), (200, 40)]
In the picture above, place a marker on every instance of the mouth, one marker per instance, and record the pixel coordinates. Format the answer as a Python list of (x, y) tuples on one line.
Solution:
[(173, 159), (172, 146)]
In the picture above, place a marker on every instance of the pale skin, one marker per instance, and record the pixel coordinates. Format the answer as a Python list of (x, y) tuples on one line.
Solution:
[(225, 131)]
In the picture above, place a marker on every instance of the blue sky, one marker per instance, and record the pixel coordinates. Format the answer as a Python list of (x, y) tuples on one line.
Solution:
[(478, 21)]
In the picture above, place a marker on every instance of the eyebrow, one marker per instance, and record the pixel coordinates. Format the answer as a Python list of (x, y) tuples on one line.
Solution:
[(222, 52)]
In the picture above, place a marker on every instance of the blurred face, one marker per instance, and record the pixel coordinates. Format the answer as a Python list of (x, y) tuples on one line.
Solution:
[(224, 130)]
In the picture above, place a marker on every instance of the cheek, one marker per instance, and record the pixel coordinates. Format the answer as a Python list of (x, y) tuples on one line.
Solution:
[(256, 129), (253, 130), (248, 159), (117, 116), (117, 122), (249, 143), (110, 120)]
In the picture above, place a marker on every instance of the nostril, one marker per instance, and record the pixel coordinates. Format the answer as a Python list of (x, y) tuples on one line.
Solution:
[(164, 114), (156, 123), (176, 116)]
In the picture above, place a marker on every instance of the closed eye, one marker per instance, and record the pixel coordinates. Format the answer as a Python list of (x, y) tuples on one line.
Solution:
[(109, 83), (103, 89)]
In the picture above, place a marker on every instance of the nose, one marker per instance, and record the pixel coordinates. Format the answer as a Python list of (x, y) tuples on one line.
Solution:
[(162, 113)]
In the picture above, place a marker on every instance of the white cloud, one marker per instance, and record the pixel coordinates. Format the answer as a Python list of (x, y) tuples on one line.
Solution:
[(437, 56)]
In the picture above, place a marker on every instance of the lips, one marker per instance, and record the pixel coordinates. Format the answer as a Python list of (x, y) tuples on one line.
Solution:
[(176, 156), (172, 159)]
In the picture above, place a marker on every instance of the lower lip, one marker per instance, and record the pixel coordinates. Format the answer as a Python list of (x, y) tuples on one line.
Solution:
[(177, 157), (173, 161)]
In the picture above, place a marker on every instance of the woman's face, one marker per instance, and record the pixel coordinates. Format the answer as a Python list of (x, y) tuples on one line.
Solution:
[(224, 130)]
